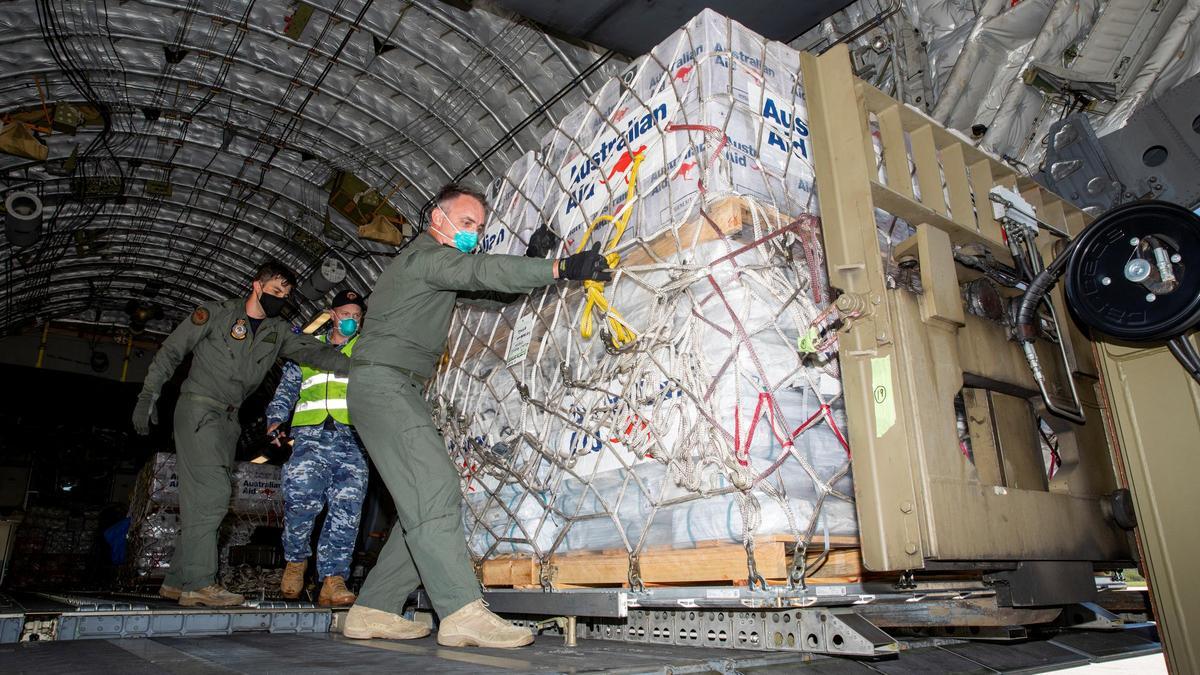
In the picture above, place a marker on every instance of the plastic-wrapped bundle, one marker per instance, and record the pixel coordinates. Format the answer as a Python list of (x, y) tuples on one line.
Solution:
[(52, 547), (152, 542), (249, 579), (256, 499), (688, 413), (256, 488)]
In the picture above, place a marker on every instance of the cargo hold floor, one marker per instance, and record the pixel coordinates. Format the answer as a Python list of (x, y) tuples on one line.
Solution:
[(259, 653)]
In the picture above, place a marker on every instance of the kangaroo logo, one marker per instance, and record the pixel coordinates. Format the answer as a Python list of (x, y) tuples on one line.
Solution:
[(684, 169), (624, 161)]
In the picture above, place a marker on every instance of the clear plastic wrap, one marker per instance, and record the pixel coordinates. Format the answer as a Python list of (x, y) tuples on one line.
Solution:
[(256, 499)]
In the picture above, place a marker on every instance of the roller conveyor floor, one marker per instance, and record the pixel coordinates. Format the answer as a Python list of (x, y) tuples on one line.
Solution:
[(266, 653), (67, 633)]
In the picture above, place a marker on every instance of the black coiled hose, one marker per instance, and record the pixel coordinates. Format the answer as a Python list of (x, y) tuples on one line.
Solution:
[(1041, 284)]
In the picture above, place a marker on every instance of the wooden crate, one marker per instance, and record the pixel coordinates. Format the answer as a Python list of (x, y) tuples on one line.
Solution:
[(708, 563)]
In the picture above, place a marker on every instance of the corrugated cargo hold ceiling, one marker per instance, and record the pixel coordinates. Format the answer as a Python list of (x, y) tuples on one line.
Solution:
[(187, 141), (225, 121)]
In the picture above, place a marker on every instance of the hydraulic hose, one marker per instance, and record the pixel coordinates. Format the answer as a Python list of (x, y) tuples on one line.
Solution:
[(1038, 288), (1027, 331)]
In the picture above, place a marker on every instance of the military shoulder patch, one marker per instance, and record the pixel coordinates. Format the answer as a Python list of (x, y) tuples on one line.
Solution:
[(239, 330), (200, 316)]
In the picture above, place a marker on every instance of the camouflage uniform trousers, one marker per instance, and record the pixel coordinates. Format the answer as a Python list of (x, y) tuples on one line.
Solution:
[(327, 467)]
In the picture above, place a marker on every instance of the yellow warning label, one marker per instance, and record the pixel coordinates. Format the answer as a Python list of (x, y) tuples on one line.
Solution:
[(881, 392)]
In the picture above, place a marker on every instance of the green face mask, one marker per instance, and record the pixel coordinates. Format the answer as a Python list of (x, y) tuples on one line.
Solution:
[(464, 240)]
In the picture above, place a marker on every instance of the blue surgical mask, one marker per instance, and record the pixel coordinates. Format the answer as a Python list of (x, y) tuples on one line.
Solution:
[(348, 327), (464, 240)]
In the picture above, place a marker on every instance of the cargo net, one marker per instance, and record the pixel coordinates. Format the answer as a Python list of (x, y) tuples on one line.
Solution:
[(696, 396)]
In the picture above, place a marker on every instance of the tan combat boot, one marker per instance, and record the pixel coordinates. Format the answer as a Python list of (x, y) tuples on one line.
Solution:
[(476, 626), (335, 594), (210, 596), (169, 592), (364, 623), (293, 579)]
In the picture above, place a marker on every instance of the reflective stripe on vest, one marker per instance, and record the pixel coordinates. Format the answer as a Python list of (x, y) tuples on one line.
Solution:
[(322, 378), (322, 394)]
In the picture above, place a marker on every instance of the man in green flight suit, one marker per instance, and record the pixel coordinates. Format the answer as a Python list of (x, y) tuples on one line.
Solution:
[(401, 341), (233, 344)]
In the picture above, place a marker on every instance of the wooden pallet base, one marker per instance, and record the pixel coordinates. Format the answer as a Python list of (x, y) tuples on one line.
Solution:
[(709, 563)]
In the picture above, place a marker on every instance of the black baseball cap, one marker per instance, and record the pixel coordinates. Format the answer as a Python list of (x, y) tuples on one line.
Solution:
[(348, 298)]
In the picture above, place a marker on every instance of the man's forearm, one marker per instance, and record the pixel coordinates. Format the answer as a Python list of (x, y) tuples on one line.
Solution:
[(323, 357), (286, 395), (488, 299)]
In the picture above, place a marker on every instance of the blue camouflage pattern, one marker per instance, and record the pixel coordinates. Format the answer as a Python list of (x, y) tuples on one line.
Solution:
[(327, 468), (287, 393)]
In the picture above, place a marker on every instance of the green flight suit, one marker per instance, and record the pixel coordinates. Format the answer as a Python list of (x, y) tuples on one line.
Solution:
[(402, 339), (225, 370)]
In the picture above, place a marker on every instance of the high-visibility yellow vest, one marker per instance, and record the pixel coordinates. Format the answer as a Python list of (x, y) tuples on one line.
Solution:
[(322, 394)]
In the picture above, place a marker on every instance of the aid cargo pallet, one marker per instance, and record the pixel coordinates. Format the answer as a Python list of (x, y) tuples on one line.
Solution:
[(723, 218)]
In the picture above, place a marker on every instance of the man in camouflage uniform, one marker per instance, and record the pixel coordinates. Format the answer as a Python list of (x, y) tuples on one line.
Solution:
[(327, 466), (233, 344)]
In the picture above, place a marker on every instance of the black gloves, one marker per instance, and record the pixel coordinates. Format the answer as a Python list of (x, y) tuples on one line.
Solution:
[(585, 266), (541, 242)]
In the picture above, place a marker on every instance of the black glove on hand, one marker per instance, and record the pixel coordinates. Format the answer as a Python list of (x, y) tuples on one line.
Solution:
[(585, 266), (144, 414), (541, 242)]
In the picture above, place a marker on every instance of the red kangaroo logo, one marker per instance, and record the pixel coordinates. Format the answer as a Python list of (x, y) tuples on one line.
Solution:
[(684, 169), (623, 163)]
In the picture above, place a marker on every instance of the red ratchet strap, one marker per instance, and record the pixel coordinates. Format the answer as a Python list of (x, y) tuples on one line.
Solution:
[(823, 413), (706, 128)]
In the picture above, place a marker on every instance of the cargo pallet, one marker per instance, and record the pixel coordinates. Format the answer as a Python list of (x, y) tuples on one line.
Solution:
[(710, 562), (938, 551)]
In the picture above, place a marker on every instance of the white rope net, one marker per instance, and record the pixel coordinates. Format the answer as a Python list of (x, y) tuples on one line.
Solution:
[(706, 404)]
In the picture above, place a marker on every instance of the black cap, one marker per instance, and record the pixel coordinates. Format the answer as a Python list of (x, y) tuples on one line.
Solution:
[(348, 298)]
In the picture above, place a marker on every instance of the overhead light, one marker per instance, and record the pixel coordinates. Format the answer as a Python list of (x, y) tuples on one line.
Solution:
[(22, 218), (140, 313), (331, 273), (315, 325)]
